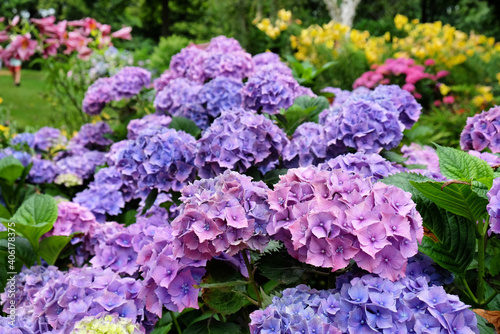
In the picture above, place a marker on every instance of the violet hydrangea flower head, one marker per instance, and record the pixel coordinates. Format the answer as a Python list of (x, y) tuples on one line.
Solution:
[(71, 218), (47, 138), (482, 131), (492, 159), (409, 109), (129, 81), (24, 157), (161, 159), (164, 80), (189, 61), (224, 44), (225, 214), (326, 218), (367, 165), (422, 265), (98, 95), (180, 98), (80, 163), (82, 292), (91, 137), (493, 206), (42, 171), (238, 140), (220, 94), (266, 58), (237, 65), (308, 146), (136, 126), (299, 310), (24, 138), (423, 155)]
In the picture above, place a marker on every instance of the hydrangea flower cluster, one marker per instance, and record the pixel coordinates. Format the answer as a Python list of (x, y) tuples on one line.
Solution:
[(24, 138), (482, 131), (367, 165), (421, 265), (136, 126), (238, 140), (226, 214), (221, 93), (42, 171), (85, 292), (162, 159), (307, 146), (493, 206), (327, 218), (71, 218), (23, 157), (409, 109), (47, 138), (108, 324), (492, 159), (91, 137), (423, 155), (105, 195), (299, 310), (82, 163), (98, 95), (169, 280)]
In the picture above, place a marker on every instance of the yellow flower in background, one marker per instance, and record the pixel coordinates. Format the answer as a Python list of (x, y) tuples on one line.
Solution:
[(498, 78), (273, 30), (5, 130), (444, 90), (400, 21), (285, 15), (1, 100)]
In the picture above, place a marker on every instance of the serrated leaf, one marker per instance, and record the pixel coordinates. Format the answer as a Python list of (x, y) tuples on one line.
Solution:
[(459, 165), (186, 125), (150, 200), (10, 169), (393, 157), (480, 188), (213, 326), (51, 247)]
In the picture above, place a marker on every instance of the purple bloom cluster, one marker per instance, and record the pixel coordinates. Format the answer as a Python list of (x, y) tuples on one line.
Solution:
[(492, 159), (87, 292), (24, 138), (307, 147), (169, 280), (98, 95), (23, 157), (423, 155), (47, 138), (161, 159), (221, 93), (105, 195), (340, 95), (327, 218), (136, 126), (493, 206), (42, 171), (91, 137), (129, 81), (81, 163), (409, 109), (238, 140), (422, 265), (366, 165), (299, 310), (225, 214), (266, 58), (71, 218), (482, 131)]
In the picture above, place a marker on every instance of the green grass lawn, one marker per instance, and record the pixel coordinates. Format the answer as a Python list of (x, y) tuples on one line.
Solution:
[(25, 105)]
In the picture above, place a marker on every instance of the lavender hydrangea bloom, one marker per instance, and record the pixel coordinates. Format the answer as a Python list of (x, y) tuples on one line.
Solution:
[(265, 58), (482, 131), (136, 126), (307, 147), (129, 81), (340, 95), (423, 155), (85, 292), (238, 140), (222, 215), (366, 165), (224, 44), (71, 218), (42, 171), (188, 63), (47, 138), (80, 163), (236, 65), (24, 138), (91, 137), (180, 98), (492, 159), (112, 155), (327, 218), (98, 95), (409, 109), (164, 80), (220, 94), (364, 125), (23, 157), (493, 206), (422, 265)]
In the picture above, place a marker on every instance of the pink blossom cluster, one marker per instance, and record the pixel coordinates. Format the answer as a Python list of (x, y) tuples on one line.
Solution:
[(327, 218), (50, 38), (385, 74)]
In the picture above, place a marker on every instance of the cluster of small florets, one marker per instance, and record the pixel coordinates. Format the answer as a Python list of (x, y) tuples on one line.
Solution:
[(108, 324), (85, 292), (307, 147), (104, 195), (24, 138), (299, 310), (493, 206), (367, 165), (482, 131), (422, 265), (492, 159), (161, 159), (169, 280), (47, 138), (225, 214), (238, 140), (327, 218), (91, 137), (127, 83), (423, 155), (42, 171), (80, 163), (136, 126), (409, 109), (71, 218), (221, 93), (23, 157)]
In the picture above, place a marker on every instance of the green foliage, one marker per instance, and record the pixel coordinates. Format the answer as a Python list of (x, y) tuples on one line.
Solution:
[(167, 47), (212, 326), (186, 125), (304, 72), (484, 326), (458, 165), (304, 109)]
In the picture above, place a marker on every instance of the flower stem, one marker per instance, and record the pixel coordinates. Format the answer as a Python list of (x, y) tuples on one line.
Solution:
[(480, 268), (176, 324), (251, 278), (468, 291)]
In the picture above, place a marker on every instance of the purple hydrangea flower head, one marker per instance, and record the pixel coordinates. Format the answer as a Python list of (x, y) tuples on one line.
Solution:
[(266, 58), (301, 91), (422, 265), (364, 125), (24, 157), (161, 159), (180, 98), (326, 218), (222, 215), (91, 137), (115, 148), (220, 94), (238, 140), (164, 80), (71, 218), (340, 95), (47, 138), (366, 165), (423, 155), (129, 81), (493, 206), (188, 63), (42, 171), (482, 131), (409, 109), (307, 147), (85, 292), (269, 90), (136, 126), (224, 44), (24, 138), (80, 163), (236, 65), (98, 95), (492, 159)]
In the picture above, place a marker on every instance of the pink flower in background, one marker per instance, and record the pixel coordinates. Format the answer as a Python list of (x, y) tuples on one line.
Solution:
[(14, 21), (87, 24), (50, 46), (58, 31), (429, 62), (448, 99), (105, 29), (123, 33), (44, 23), (4, 36), (441, 74), (23, 47), (409, 87), (76, 42)]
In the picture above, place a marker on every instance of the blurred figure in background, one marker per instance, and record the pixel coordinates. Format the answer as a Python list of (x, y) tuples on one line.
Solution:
[(15, 69)]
